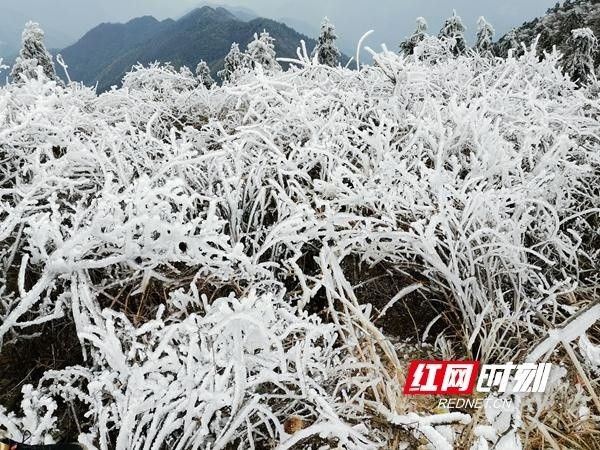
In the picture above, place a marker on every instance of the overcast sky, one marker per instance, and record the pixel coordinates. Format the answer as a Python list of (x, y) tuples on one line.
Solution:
[(392, 20)]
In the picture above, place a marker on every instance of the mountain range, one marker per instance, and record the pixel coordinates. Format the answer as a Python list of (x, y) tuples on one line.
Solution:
[(107, 52)]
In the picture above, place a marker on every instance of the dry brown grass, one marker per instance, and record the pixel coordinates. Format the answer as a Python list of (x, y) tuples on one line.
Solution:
[(52, 346), (558, 427)]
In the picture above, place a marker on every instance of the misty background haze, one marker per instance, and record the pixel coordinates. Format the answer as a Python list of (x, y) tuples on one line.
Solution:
[(65, 21)]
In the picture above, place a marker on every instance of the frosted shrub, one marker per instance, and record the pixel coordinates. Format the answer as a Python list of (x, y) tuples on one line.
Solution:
[(33, 54), (205, 381), (485, 38), (203, 75), (420, 33), (163, 79), (470, 180), (234, 63), (261, 51), (580, 64), (326, 51), (453, 32)]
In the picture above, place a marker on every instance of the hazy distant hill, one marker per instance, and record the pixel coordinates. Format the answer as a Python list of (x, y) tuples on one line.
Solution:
[(241, 12), (108, 51), (554, 28), (89, 56)]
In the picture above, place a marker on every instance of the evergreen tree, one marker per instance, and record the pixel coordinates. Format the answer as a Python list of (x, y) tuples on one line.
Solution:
[(408, 47), (234, 63), (203, 74), (33, 54), (580, 62), (326, 50), (485, 37), (453, 32), (262, 51), (508, 43)]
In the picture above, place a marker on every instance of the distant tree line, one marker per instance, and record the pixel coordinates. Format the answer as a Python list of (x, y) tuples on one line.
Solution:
[(261, 51), (34, 58), (579, 60)]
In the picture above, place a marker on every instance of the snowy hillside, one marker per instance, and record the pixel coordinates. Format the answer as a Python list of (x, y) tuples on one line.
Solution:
[(554, 28), (220, 260)]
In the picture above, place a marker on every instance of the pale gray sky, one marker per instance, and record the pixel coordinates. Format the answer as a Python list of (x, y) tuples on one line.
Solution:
[(392, 20)]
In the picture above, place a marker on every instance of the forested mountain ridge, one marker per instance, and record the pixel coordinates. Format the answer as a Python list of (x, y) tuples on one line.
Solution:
[(109, 51), (89, 56), (554, 28)]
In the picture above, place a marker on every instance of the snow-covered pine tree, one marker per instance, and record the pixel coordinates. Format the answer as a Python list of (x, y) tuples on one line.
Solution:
[(33, 54), (327, 52), (234, 62), (408, 46), (485, 38), (203, 74), (508, 43), (453, 32), (262, 51), (580, 62)]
